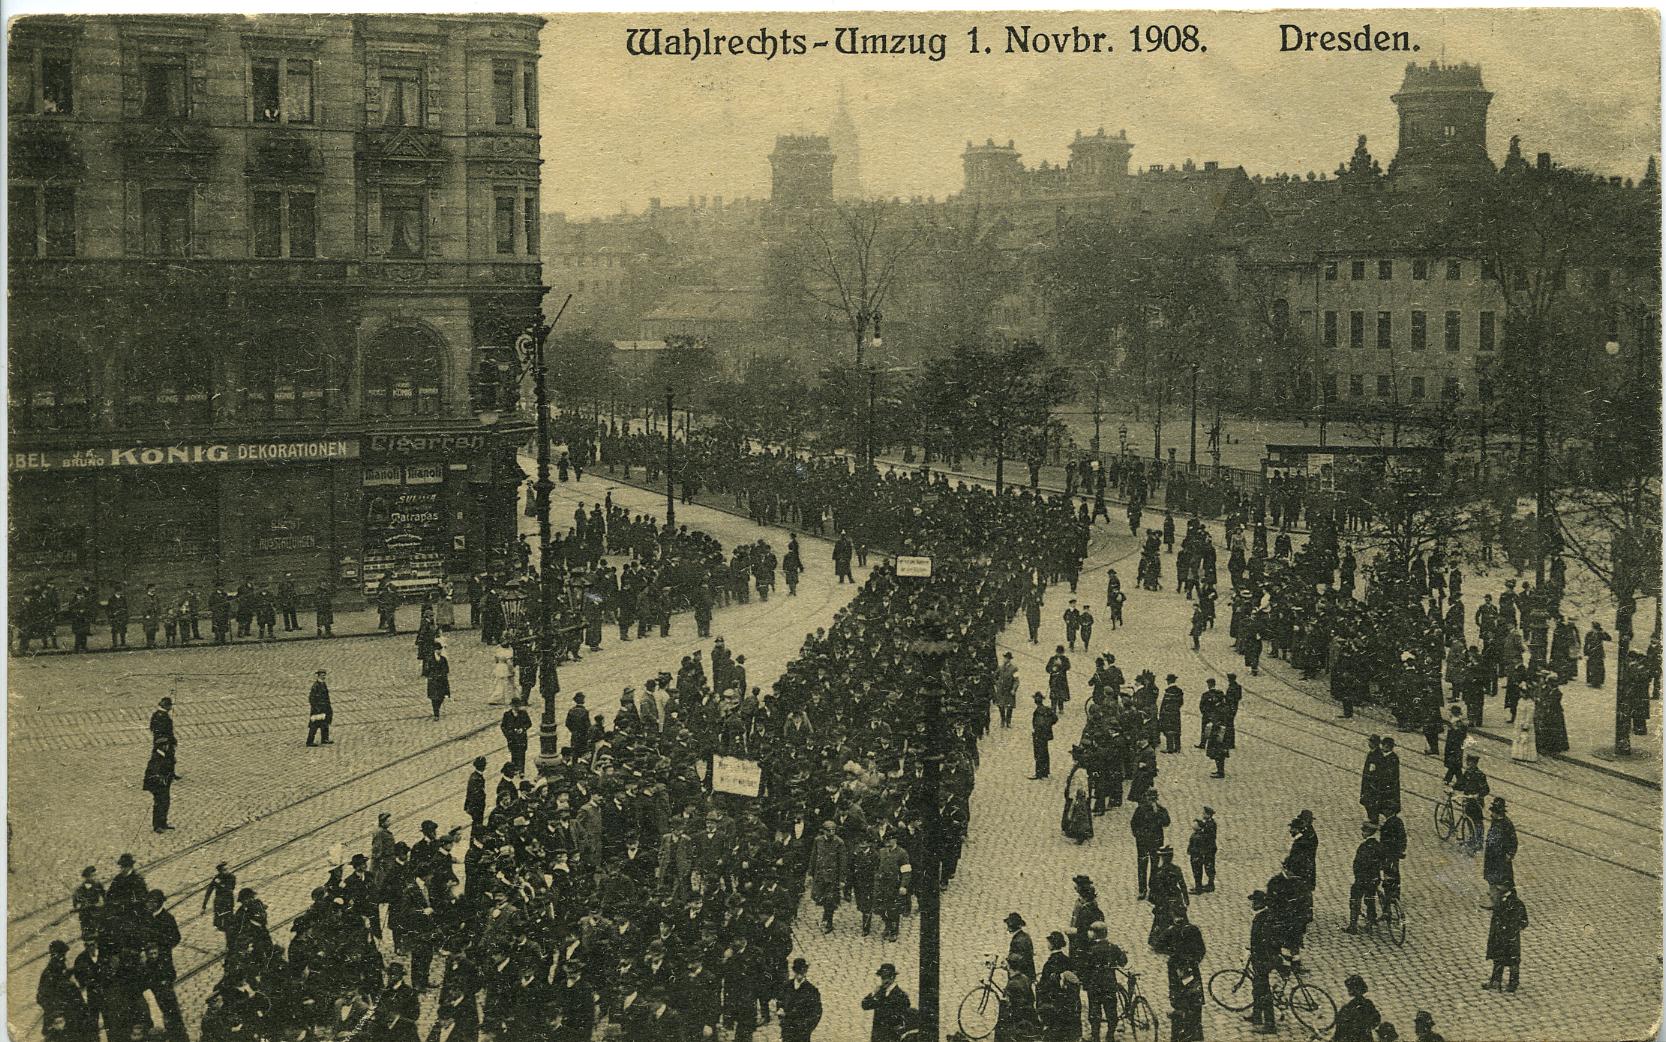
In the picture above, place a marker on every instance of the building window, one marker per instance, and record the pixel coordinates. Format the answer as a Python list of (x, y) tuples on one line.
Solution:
[(1449, 389), (1357, 271), (282, 90), (23, 221), (1419, 330), (1419, 270), (167, 381), (1356, 386), (529, 92), (42, 221), (285, 224), (1454, 331), (284, 378), (1385, 330), (1330, 271), (164, 84), (1383, 386), (167, 221), (1356, 329), (1330, 387), (529, 219), (1330, 329), (1454, 270), (1483, 390), (1487, 270), (1449, 132), (504, 223), (1417, 388), (41, 80), (401, 97), (47, 381), (503, 93), (402, 223), (402, 375), (1488, 331), (1385, 270)]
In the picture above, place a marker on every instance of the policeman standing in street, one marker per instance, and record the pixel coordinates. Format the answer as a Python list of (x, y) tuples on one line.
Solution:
[(1041, 735), (515, 726), (319, 711), (159, 782)]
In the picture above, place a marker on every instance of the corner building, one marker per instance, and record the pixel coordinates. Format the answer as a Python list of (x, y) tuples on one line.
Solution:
[(263, 275)]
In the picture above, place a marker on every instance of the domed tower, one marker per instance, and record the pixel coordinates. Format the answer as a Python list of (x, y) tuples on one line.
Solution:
[(1443, 124), (802, 167), (992, 171), (1099, 160), (847, 153)]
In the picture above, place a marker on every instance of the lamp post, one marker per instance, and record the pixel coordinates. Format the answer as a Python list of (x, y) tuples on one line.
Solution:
[(529, 349), (1194, 418), (670, 493)]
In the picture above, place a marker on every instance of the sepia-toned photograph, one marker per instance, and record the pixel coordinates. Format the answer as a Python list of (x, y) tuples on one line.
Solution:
[(1027, 526)]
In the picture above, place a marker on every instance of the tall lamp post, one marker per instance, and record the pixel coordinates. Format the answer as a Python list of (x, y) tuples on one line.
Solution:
[(670, 494), (529, 349)]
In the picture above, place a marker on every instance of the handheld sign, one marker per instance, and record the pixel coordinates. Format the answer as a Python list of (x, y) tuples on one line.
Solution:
[(735, 775), (914, 567)]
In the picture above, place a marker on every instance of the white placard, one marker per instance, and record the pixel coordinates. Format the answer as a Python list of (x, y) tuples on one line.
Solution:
[(735, 775), (914, 567)]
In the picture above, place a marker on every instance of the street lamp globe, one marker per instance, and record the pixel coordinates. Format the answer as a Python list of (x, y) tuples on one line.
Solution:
[(1612, 347)]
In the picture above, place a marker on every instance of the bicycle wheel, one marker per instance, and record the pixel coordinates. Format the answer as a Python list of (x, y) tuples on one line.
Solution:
[(1232, 990), (1443, 820), (1312, 1007), (978, 1012), (1143, 1021), (1394, 918), (1466, 832)]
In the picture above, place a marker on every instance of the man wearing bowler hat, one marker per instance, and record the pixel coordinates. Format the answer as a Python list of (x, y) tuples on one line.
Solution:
[(800, 1004), (890, 1005), (320, 712)]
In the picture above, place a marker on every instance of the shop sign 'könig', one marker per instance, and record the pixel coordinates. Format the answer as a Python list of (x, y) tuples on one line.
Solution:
[(233, 452)]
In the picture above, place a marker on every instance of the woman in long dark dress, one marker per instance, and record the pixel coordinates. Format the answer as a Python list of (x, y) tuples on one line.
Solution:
[(1551, 725), (1077, 819)]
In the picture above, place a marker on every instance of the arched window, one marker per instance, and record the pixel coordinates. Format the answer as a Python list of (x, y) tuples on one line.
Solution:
[(285, 377), (48, 383), (402, 374), (168, 381)]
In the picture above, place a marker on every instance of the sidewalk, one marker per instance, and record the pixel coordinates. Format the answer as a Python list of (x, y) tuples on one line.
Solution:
[(360, 622)]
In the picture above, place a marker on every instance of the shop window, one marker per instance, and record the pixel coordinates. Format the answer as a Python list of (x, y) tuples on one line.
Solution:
[(529, 92), (41, 81), (403, 226), (164, 88), (167, 221), (285, 377), (402, 375), (48, 382), (503, 93), (401, 97), (285, 223), (168, 381)]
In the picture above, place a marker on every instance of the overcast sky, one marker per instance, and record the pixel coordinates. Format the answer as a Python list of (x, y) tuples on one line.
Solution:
[(1581, 84)]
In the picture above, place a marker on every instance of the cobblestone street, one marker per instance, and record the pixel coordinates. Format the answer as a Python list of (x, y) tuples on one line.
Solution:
[(1590, 842)]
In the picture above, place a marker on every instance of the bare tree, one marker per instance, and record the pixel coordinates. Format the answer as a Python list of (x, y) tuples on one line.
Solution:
[(848, 259)]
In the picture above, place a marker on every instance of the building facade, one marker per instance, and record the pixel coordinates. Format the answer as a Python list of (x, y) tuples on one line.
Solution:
[(263, 273)]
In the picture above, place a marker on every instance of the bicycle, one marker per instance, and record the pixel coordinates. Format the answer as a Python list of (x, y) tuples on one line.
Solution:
[(1450, 817), (982, 1005), (1311, 1005), (1134, 1010), (1391, 914)]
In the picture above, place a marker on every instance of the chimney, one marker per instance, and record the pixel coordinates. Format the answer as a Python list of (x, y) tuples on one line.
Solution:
[(1210, 166), (653, 203), (1544, 161)]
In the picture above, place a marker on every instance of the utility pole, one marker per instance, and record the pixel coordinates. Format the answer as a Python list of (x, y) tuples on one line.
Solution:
[(867, 427), (1194, 418), (1098, 413), (933, 651), (530, 350), (670, 491)]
